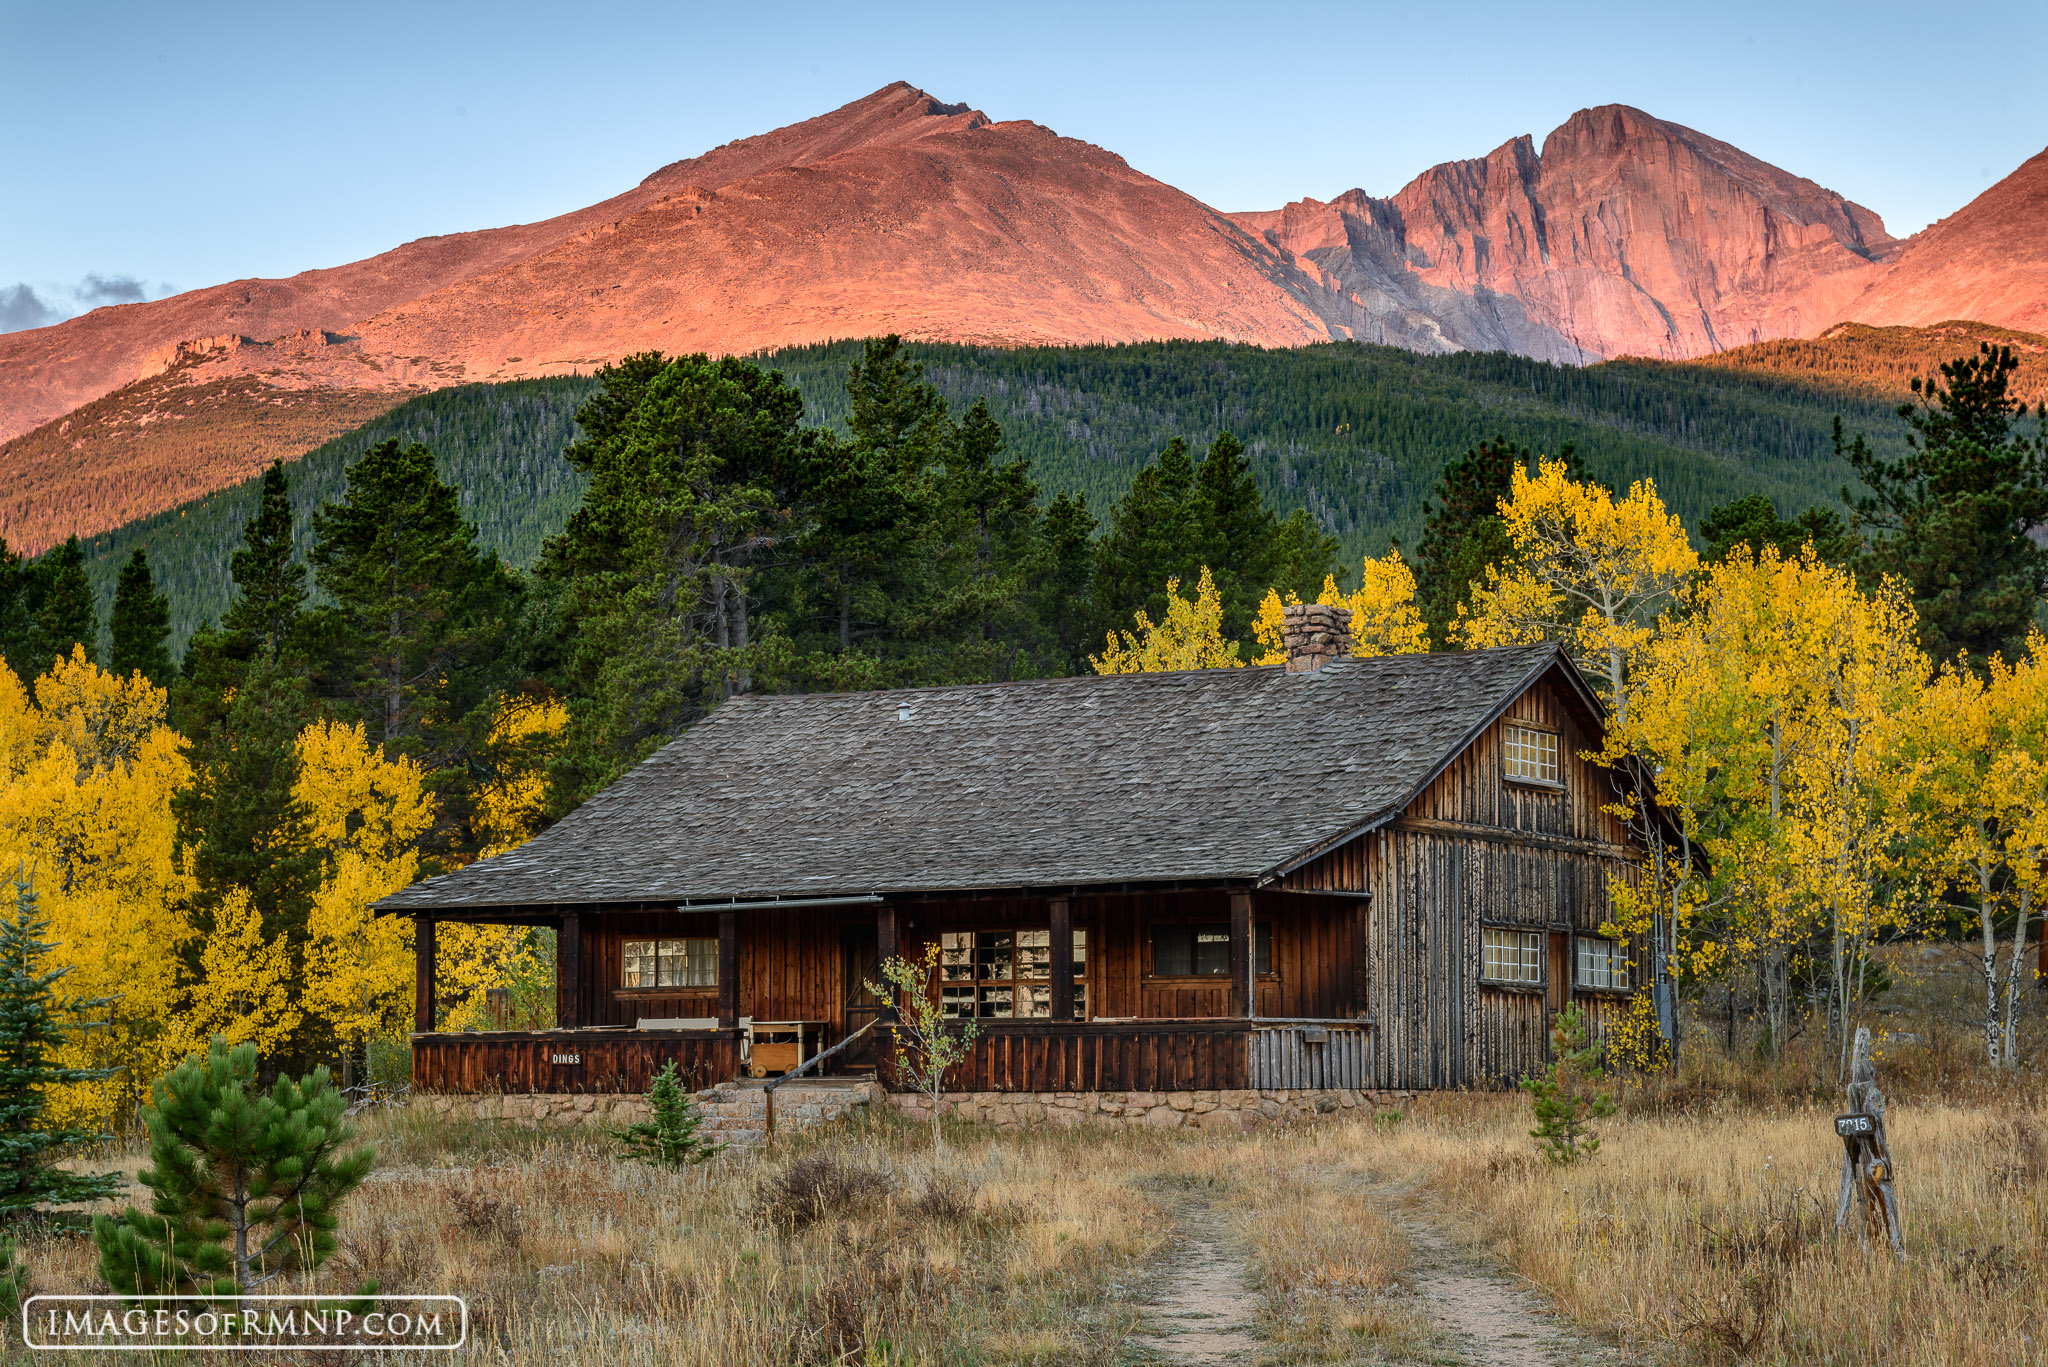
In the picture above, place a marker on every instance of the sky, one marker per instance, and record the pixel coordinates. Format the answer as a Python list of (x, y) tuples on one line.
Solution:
[(156, 148)]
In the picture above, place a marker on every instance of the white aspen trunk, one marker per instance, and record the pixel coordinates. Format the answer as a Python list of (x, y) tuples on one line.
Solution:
[(1988, 935), (2015, 968)]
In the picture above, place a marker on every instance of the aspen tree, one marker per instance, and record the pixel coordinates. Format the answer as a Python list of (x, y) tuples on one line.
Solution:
[(1594, 571), (366, 814), (1190, 637)]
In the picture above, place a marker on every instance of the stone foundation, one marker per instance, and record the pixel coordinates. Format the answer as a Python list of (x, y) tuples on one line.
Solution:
[(1221, 1110), (732, 1114), (738, 1115)]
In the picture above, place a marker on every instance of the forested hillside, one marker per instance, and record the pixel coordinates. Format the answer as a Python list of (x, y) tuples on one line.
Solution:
[(1355, 434)]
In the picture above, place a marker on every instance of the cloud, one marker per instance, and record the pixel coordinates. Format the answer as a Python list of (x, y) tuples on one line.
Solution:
[(96, 290), (21, 307)]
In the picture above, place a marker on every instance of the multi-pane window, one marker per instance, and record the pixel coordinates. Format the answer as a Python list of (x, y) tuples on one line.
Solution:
[(1603, 964), (1004, 974), (1204, 951), (670, 963), (1511, 956), (1531, 754)]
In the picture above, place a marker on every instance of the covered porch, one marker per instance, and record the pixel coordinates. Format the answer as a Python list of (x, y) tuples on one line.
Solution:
[(1184, 988)]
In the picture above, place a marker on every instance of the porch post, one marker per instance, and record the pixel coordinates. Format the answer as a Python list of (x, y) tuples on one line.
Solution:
[(728, 970), (1062, 959), (885, 950), (423, 973), (569, 973), (1243, 962)]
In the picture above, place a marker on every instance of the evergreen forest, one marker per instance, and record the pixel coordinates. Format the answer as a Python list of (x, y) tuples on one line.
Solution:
[(1356, 435)]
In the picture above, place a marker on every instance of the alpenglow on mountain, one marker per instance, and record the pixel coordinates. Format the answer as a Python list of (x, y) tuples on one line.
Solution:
[(1620, 234)]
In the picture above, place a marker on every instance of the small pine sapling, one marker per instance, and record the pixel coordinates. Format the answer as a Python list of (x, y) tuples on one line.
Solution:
[(927, 1043), (670, 1138), (246, 1182), (1562, 1095), (32, 1027)]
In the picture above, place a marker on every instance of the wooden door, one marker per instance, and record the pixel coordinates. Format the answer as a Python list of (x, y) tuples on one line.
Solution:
[(1558, 980), (859, 961)]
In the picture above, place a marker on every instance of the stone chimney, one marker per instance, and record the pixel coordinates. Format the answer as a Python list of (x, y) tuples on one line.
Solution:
[(1314, 634)]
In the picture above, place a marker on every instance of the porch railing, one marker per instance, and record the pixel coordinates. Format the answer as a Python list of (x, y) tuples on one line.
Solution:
[(570, 1060)]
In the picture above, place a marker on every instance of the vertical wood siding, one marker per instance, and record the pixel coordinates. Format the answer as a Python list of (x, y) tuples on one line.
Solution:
[(1286, 1056), (1476, 848)]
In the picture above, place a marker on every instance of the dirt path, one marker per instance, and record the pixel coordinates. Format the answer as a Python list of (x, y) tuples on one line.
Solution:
[(1199, 1306), (1483, 1314)]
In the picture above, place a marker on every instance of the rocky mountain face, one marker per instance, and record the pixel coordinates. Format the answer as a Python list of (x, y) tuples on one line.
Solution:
[(1623, 234)]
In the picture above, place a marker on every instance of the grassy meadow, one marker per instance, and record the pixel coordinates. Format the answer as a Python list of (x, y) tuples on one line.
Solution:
[(1701, 1232)]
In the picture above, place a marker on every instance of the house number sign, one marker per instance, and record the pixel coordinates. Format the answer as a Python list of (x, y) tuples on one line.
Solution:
[(1854, 1126), (568, 1058)]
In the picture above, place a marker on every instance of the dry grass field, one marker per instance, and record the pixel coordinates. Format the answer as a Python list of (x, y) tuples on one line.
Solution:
[(1702, 1232)]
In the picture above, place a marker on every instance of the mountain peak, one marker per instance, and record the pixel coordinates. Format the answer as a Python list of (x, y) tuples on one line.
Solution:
[(898, 113)]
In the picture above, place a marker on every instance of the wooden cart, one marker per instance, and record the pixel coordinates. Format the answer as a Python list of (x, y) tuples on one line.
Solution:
[(777, 1047)]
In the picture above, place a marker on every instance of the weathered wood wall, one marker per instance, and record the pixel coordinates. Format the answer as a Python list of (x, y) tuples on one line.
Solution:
[(1475, 849), (519, 1061)]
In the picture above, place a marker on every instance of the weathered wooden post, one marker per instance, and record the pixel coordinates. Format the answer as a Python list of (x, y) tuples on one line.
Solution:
[(1866, 1160)]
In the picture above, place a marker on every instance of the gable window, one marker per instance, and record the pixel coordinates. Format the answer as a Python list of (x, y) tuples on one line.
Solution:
[(1530, 755), (670, 963), (1204, 951), (1603, 964), (1511, 956), (1005, 974)]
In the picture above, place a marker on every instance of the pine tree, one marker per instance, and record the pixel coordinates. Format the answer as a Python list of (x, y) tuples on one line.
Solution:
[(1953, 516), (238, 818), (1181, 516), (1153, 535), (660, 578), (989, 550), (671, 1137), (141, 624), (68, 615), (419, 611), (871, 527), (31, 1030), (246, 1183), (20, 596), (1064, 593), (270, 585), (1463, 532), (1752, 522)]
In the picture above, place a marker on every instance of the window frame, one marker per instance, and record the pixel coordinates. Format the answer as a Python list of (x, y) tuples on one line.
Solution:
[(1015, 983), (1262, 938), (1507, 744), (671, 989), (1616, 951), (1538, 934)]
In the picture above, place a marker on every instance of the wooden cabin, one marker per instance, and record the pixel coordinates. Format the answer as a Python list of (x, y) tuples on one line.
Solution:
[(1381, 873)]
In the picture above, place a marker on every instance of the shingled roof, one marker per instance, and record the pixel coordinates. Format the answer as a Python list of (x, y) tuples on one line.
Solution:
[(1205, 775)]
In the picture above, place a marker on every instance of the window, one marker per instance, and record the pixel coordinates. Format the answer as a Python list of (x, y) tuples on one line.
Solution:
[(670, 963), (1511, 956), (1004, 974), (1204, 951), (1603, 964), (1531, 755)]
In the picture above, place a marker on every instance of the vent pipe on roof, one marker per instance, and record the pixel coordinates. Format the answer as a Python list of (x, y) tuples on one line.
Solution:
[(1314, 634)]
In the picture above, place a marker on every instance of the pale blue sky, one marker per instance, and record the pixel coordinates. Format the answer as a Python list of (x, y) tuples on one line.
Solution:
[(152, 146)]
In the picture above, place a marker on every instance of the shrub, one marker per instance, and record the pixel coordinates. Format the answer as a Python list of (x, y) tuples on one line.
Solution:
[(818, 1185)]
